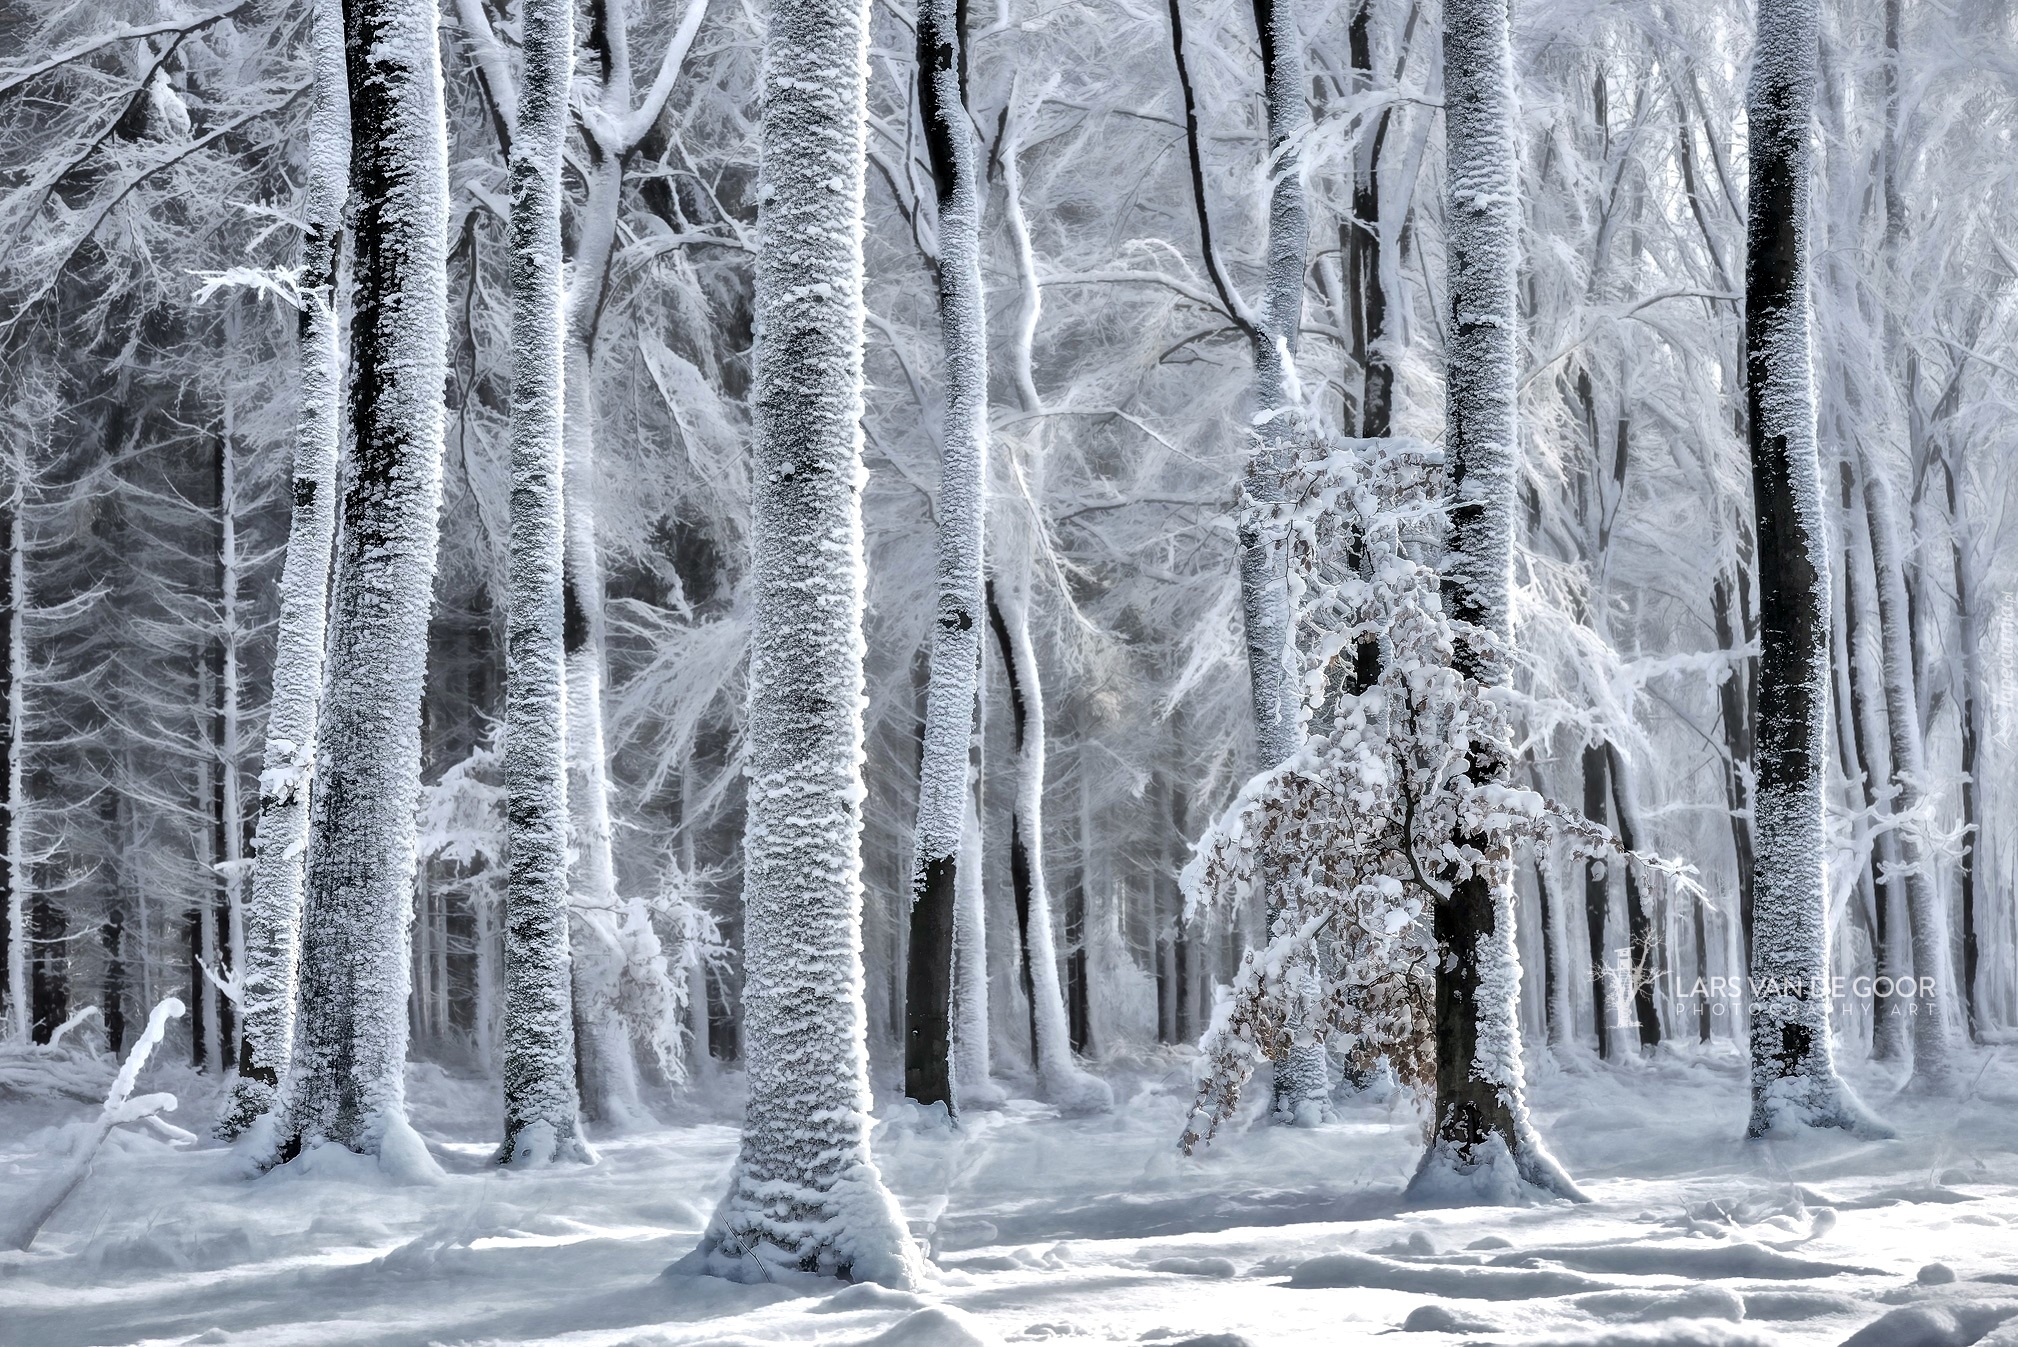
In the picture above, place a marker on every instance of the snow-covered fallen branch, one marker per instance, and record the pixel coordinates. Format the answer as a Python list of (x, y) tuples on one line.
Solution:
[(120, 1107)]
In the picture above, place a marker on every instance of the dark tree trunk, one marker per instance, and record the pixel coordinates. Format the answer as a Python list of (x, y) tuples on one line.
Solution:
[(1597, 890), (1019, 850), (928, 987), (112, 936), (1794, 1081), (1551, 978), (1971, 734), (1639, 922), (346, 1083), (49, 969), (1359, 245), (1734, 711), (1078, 1012)]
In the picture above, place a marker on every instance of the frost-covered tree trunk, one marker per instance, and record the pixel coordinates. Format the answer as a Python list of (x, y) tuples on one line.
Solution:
[(1794, 1080), (610, 941), (1926, 908), (805, 1194), (346, 1082), (1059, 1078), (1302, 1086), (15, 805), (280, 834), (951, 693), (1482, 1143), (541, 1122)]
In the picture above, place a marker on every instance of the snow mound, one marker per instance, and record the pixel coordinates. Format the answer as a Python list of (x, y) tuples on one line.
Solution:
[(1937, 1325), (866, 1296), (1702, 1261), (1443, 1319), (1195, 1267), (1785, 1306), (1688, 1333), (1457, 1282), (939, 1326), (1694, 1302), (404, 1157)]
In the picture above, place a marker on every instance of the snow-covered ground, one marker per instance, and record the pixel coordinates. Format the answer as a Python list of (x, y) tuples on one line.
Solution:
[(1043, 1228)]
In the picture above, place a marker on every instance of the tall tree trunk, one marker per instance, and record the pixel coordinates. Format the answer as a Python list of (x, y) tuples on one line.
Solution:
[(1926, 910), (541, 1107), (1868, 737), (230, 734), (1059, 1078), (805, 1194), (1302, 1091), (285, 782), (1734, 712), (12, 807), (1302, 1084), (1794, 1080), (951, 693), (1972, 712), (604, 939), (347, 1083), (608, 1067), (1482, 1143)]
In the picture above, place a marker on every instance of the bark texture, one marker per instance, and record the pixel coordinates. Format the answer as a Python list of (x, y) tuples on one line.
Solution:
[(280, 837), (950, 697), (1482, 1145), (346, 1083), (541, 1106), (805, 1194), (1794, 1080)]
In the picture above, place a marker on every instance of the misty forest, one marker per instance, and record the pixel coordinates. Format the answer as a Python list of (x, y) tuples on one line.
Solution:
[(940, 673)]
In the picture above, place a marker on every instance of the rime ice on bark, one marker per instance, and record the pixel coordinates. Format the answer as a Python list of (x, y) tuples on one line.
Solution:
[(346, 1078), (805, 1193), (950, 697), (1481, 1124), (1794, 1079), (280, 839), (541, 1107)]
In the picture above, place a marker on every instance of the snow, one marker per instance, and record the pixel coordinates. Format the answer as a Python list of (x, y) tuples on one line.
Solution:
[(1087, 1230)]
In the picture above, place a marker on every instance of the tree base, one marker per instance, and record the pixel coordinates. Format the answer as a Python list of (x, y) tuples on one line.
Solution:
[(1794, 1105), (1490, 1174), (852, 1231), (251, 1099), (542, 1145)]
